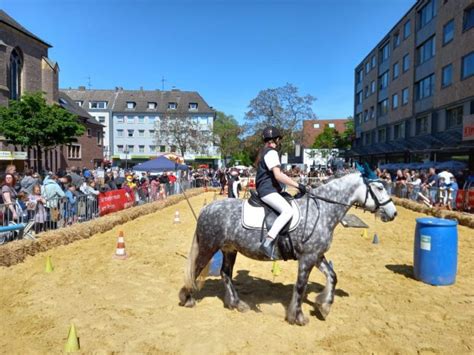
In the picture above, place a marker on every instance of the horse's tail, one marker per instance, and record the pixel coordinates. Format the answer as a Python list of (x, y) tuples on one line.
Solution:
[(190, 269)]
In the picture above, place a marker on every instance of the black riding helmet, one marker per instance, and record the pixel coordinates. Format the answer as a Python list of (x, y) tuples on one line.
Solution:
[(270, 133)]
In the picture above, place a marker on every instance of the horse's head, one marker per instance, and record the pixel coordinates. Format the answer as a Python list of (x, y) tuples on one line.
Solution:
[(372, 195)]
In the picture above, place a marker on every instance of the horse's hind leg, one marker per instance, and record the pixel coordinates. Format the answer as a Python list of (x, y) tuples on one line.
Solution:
[(326, 298), (294, 314), (231, 298)]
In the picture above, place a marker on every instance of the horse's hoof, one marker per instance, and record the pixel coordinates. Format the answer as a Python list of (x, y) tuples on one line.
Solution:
[(324, 309), (242, 306), (298, 319), (186, 299), (190, 302)]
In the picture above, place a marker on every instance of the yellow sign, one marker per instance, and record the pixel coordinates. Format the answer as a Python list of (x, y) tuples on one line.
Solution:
[(7, 155)]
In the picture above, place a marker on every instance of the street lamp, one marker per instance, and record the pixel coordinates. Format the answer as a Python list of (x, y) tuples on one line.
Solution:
[(126, 159)]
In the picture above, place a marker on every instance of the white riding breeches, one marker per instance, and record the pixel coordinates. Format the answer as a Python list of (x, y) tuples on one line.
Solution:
[(278, 203)]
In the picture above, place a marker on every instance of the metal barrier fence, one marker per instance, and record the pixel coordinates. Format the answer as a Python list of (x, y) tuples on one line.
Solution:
[(26, 219)]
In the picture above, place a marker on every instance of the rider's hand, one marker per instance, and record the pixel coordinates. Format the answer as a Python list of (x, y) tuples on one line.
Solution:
[(302, 189)]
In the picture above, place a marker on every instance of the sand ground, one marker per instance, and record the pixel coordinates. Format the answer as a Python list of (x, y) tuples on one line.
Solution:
[(131, 306)]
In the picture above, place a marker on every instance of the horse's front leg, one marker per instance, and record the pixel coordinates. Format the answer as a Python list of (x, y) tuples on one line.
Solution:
[(231, 298), (295, 315), (325, 299)]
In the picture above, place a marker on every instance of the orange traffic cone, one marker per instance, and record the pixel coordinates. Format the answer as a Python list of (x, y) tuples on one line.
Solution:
[(176, 218), (120, 251)]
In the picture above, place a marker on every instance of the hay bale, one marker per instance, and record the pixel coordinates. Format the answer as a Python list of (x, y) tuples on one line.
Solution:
[(15, 252)]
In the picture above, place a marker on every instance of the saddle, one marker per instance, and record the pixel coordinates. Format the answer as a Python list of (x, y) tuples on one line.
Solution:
[(257, 215)]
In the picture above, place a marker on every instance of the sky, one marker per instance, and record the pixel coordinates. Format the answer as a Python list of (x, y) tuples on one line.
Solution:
[(227, 50)]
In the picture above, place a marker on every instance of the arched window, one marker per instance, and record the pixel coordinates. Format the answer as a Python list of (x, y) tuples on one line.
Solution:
[(15, 75)]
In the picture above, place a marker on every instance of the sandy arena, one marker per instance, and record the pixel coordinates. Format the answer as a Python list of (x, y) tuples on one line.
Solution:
[(131, 306)]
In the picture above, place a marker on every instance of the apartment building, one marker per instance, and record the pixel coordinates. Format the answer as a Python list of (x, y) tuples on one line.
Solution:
[(132, 121), (414, 91)]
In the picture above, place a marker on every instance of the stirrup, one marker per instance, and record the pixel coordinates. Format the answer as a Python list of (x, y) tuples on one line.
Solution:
[(268, 250)]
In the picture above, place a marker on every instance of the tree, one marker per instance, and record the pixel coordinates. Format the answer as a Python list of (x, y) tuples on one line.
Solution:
[(31, 123), (185, 133), (226, 135), (327, 139), (347, 137), (284, 108)]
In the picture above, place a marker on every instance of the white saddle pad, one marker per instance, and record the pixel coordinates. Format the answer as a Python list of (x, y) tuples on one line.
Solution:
[(252, 217)]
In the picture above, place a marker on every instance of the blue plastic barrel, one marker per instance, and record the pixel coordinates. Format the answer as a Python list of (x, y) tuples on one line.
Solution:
[(436, 251), (216, 264)]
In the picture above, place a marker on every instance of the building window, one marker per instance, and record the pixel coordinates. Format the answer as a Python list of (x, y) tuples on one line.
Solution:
[(372, 112), (425, 87), (396, 131), (395, 101), (383, 107), (193, 106), (151, 132), (74, 151), (383, 80), (373, 61), (384, 52), (120, 148), (396, 40), (152, 148), (467, 66), (120, 133), (366, 115), (406, 29), (141, 133), (141, 149), (130, 119), (367, 91), (448, 32), (88, 132), (406, 62), (426, 51), (99, 138), (316, 125), (79, 103), (162, 148), (151, 105), (367, 67), (130, 148), (405, 96), (396, 70), (131, 104), (130, 132), (426, 14), (447, 75), (119, 119), (421, 125), (15, 75), (468, 21), (358, 76), (101, 119), (141, 119), (381, 135), (331, 125), (359, 98), (372, 87), (454, 117), (98, 104), (172, 105)]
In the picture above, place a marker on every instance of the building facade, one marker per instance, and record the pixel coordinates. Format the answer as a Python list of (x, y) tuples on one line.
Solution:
[(313, 128), (415, 90), (134, 132), (26, 67)]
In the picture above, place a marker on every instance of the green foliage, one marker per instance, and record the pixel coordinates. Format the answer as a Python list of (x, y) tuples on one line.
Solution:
[(226, 134), (31, 122), (242, 158), (347, 137), (328, 139), (283, 108)]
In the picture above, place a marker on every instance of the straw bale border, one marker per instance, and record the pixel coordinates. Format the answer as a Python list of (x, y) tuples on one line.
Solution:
[(463, 219), (15, 252)]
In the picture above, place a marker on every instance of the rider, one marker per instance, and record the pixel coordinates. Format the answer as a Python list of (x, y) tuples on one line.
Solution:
[(269, 177)]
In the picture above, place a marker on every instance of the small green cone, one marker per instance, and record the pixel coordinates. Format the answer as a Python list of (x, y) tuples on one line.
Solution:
[(72, 343), (49, 265), (276, 270)]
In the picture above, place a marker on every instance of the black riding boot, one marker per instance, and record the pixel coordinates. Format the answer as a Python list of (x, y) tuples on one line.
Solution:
[(268, 247)]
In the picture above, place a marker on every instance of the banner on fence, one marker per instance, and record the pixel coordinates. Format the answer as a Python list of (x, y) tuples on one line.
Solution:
[(113, 201), (464, 202)]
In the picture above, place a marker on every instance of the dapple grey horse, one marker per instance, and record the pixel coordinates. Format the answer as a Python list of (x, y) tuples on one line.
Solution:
[(219, 228)]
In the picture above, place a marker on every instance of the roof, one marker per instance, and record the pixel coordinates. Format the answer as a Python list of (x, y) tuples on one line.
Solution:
[(6, 19), (70, 105), (117, 100)]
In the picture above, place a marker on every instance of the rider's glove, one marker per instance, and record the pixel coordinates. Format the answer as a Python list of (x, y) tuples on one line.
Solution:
[(302, 189)]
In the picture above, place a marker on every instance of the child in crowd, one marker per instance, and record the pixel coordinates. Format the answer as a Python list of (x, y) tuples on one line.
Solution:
[(36, 208), (70, 215)]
